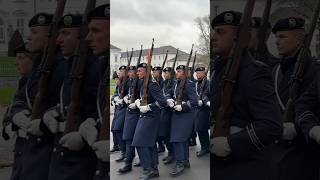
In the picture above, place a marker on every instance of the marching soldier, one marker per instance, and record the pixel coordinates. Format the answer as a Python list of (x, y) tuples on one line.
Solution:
[(146, 132), (38, 146), (68, 148), (182, 120), (120, 112), (202, 122), (131, 120), (254, 122), (290, 152), (165, 116), (24, 67)]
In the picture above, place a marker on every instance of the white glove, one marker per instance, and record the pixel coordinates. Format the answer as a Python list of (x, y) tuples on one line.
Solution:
[(119, 102), (178, 107), (137, 102), (314, 133), (144, 109), (200, 103), (208, 103), (34, 128), (126, 99), (89, 131), (72, 141), (132, 106), (101, 149), (289, 131), (170, 102), (22, 119), (50, 120), (220, 146)]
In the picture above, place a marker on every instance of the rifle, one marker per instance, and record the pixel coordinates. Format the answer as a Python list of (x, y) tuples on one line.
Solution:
[(193, 63), (173, 65), (125, 78), (183, 81), (164, 62), (47, 61), (73, 118), (135, 80), (222, 124), (297, 75), (144, 98), (261, 49)]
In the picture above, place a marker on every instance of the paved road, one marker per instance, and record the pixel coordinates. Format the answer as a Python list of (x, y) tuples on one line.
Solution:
[(200, 167)]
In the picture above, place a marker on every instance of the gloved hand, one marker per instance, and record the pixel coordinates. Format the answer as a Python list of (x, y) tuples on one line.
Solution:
[(144, 109), (89, 131), (200, 103), (22, 119), (208, 103), (137, 102), (34, 128), (72, 141), (126, 99), (220, 146), (50, 120), (289, 131), (101, 149), (178, 107), (118, 100), (132, 106), (314, 133), (170, 102)]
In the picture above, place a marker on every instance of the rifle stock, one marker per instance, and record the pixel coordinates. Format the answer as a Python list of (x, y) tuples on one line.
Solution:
[(144, 99), (135, 80)]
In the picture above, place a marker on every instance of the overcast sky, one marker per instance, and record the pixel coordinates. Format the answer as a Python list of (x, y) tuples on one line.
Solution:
[(170, 22)]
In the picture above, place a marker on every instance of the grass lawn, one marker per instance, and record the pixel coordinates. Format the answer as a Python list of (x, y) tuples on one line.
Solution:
[(7, 66), (112, 87), (6, 95)]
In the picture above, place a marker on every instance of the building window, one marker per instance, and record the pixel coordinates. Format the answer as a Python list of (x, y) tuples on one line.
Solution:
[(20, 26), (2, 31)]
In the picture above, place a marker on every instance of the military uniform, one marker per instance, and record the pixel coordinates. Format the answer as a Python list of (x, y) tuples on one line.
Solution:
[(119, 117), (290, 155), (146, 132), (182, 122), (202, 121), (255, 122)]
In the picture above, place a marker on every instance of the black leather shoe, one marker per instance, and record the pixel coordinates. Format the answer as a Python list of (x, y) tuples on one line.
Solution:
[(149, 174), (168, 160), (177, 169), (115, 148), (126, 168), (121, 157), (161, 148), (202, 152)]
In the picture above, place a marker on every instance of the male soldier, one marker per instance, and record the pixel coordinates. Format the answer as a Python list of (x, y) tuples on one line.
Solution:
[(146, 132), (156, 73), (289, 152), (39, 143), (268, 58), (192, 140), (120, 112), (182, 120), (66, 149), (131, 120), (255, 121), (24, 67), (99, 41), (202, 122), (165, 116)]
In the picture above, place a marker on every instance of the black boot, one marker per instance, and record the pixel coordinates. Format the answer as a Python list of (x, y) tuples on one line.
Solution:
[(168, 160), (115, 148), (149, 174), (177, 169), (161, 147), (202, 152), (121, 157), (126, 168)]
